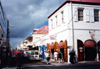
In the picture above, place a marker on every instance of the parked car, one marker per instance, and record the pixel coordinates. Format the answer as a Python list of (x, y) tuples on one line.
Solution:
[(34, 55), (26, 54)]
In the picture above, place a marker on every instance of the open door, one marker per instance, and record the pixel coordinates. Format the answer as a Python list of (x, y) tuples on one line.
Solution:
[(80, 50)]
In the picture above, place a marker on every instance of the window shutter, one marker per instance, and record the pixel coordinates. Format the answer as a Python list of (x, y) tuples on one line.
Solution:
[(92, 15), (75, 17), (53, 23), (58, 20), (64, 16), (87, 16)]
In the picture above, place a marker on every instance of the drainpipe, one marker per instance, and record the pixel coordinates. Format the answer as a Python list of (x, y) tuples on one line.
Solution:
[(72, 26)]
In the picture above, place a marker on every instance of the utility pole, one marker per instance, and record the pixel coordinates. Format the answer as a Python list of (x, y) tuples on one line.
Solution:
[(7, 45)]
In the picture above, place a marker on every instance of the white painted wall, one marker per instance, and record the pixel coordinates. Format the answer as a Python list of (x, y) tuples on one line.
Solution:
[(81, 28)]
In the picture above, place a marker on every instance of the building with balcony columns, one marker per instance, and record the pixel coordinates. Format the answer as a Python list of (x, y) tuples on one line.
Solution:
[(75, 25)]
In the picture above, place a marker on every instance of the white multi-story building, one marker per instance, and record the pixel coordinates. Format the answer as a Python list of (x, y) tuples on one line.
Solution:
[(77, 22)]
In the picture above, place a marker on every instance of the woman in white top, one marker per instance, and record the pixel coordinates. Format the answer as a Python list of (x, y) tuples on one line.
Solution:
[(55, 55)]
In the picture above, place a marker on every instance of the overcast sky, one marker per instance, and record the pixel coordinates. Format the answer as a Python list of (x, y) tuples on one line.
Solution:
[(26, 15)]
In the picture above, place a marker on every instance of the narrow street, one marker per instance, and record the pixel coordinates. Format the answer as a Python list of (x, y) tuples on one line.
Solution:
[(76, 66), (43, 65)]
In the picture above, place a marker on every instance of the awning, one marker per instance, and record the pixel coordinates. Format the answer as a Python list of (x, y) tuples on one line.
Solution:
[(61, 45), (52, 46), (90, 43)]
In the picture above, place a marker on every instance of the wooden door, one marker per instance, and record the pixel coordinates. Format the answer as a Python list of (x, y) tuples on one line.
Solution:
[(80, 50), (65, 51)]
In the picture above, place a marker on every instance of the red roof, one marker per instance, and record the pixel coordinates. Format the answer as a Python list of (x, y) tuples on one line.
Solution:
[(35, 30), (43, 30)]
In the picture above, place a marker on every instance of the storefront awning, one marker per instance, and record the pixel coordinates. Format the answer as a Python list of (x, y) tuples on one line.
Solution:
[(52, 46), (90, 43), (61, 45)]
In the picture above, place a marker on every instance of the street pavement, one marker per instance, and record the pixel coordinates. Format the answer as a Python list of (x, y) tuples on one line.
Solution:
[(39, 63), (43, 65)]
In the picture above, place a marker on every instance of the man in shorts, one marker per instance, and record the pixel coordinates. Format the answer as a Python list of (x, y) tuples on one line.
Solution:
[(47, 57), (60, 57)]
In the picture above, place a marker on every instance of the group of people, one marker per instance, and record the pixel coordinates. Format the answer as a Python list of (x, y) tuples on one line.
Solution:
[(57, 56)]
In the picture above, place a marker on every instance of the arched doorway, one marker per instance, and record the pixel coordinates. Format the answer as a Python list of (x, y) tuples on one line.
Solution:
[(52, 47), (63, 48), (80, 49), (98, 44), (90, 50)]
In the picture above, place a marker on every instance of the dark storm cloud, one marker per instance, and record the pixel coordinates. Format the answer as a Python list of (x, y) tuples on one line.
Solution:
[(25, 15)]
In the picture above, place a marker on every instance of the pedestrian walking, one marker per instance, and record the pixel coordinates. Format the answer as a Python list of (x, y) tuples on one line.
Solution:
[(40, 53), (3, 58), (47, 57), (72, 57), (18, 61), (56, 56), (60, 57)]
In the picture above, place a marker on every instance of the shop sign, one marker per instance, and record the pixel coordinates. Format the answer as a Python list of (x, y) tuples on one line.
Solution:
[(52, 38)]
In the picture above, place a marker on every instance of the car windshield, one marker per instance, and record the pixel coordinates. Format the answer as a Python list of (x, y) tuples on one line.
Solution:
[(36, 53), (32, 53)]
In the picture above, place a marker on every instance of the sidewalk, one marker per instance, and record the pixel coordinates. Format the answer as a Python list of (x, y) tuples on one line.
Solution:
[(66, 63), (88, 61), (56, 63)]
